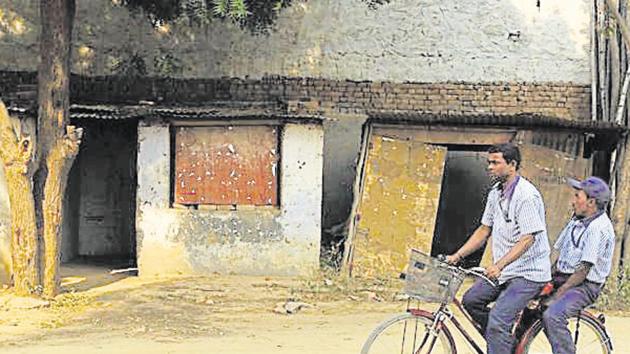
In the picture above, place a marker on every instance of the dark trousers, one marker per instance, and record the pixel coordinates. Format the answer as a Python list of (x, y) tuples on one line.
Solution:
[(510, 299), (568, 305)]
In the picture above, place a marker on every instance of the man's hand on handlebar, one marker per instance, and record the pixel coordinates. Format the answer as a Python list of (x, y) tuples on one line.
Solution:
[(453, 259), (493, 272)]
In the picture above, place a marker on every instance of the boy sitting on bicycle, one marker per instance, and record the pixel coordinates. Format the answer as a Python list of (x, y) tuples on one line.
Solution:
[(582, 260), (515, 218)]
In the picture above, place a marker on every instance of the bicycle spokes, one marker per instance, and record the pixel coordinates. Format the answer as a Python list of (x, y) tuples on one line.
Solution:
[(587, 336), (429, 337), (408, 334)]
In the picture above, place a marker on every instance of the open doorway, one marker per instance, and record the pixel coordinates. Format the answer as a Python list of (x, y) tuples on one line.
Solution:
[(465, 185), (101, 194)]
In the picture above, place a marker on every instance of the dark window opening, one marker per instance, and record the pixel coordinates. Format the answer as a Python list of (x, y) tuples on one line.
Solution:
[(465, 185)]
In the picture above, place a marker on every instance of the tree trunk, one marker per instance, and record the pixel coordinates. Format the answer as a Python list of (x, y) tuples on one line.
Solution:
[(58, 162), (602, 50), (16, 152), (57, 142), (620, 209), (615, 73)]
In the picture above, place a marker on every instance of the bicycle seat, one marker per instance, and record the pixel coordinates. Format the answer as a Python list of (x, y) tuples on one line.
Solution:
[(547, 289)]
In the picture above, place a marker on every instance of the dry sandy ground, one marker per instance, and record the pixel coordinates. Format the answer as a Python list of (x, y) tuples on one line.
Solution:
[(221, 314)]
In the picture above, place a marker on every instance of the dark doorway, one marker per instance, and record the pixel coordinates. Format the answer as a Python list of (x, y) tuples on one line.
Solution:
[(462, 200), (101, 195)]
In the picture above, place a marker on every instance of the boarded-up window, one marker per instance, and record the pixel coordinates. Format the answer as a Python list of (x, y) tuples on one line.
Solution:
[(226, 165)]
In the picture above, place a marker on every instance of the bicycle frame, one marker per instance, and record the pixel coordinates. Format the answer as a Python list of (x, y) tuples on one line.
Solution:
[(443, 314), (460, 328), (527, 320), (463, 331)]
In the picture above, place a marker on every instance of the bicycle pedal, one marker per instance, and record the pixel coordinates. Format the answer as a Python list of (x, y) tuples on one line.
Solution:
[(533, 304)]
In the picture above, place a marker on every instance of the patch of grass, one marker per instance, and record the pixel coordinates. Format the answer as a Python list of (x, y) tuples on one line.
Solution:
[(71, 301), (329, 284), (616, 298), (64, 306), (52, 323)]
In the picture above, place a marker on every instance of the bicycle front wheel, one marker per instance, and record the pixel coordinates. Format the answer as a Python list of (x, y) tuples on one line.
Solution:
[(588, 334), (409, 333)]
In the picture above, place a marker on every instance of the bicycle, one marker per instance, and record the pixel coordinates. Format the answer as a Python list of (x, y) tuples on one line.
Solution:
[(420, 331)]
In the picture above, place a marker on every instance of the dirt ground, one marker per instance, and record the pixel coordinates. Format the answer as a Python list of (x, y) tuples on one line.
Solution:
[(102, 313)]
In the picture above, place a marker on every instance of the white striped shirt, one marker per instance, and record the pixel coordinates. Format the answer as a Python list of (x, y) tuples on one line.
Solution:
[(592, 242), (511, 219)]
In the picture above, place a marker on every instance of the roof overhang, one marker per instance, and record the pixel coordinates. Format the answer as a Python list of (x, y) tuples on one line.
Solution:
[(519, 121), (217, 111)]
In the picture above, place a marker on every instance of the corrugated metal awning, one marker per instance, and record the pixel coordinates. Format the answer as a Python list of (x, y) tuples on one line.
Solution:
[(214, 111), (521, 120)]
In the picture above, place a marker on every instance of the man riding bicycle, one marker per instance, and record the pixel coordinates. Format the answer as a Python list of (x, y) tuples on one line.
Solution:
[(582, 260), (515, 218)]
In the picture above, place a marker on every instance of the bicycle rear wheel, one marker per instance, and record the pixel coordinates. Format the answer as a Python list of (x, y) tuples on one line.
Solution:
[(409, 333), (591, 337)]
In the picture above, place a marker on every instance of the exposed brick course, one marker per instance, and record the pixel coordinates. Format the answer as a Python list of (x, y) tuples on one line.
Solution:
[(565, 100)]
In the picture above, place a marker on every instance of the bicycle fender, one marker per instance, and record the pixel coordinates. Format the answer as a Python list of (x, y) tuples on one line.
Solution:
[(601, 325), (520, 348), (420, 312)]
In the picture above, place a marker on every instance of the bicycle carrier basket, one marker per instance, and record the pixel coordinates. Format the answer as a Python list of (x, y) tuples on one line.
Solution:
[(431, 280)]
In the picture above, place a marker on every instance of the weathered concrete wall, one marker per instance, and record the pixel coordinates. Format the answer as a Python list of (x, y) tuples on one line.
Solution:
[(283, 240), (405, 40)]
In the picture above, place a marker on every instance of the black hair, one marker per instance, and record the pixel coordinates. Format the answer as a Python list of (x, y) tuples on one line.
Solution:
[(510, 153), (601, 205)]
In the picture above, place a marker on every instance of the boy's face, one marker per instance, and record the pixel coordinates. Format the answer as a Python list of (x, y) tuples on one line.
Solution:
[(581, 203)]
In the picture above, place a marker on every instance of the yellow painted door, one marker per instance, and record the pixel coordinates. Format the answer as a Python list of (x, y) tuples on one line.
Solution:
[(398, 204)]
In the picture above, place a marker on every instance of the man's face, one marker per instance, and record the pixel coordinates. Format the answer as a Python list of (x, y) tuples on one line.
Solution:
[(581, 203), (498, 168)]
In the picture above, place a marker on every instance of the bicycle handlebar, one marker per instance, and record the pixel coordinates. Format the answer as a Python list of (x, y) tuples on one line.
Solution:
[(478, 272)]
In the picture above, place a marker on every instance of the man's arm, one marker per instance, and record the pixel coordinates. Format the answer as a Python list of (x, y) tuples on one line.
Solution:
[(476, 240), (590, 253), (555, 255), (581, 271), (523, 244)]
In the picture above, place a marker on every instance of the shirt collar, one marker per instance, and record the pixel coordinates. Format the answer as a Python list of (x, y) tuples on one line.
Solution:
[(507, 191), (587, 221)]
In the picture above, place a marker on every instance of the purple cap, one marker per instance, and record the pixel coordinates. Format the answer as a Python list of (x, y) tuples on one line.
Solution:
[(594, 187)]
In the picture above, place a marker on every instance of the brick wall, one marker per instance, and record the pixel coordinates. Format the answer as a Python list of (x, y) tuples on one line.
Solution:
[(563, 100)]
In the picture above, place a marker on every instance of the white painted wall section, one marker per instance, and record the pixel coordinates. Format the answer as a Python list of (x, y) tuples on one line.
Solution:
[(301, 191), (281, 241), (404, 40), (153, 165)]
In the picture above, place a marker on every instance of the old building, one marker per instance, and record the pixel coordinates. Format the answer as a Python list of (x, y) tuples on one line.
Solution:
[(448, 59), (422, 180)]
